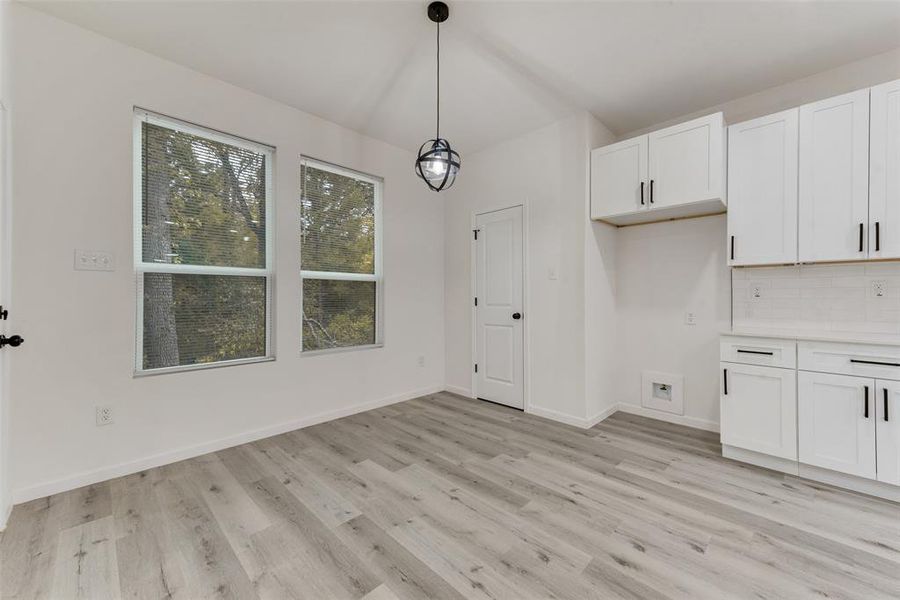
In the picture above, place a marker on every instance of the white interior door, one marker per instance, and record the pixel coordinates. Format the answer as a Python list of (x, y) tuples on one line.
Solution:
[(762, 190), (836, 416), (884, 167), (4, 296), (759, 409), (499, 332), (834, 178), (887, 430)]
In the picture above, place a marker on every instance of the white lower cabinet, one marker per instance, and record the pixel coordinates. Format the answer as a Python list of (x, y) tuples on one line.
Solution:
[(887, 430), (759, 409), (837, 423)]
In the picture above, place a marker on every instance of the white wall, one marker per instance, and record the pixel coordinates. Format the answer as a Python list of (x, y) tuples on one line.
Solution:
[(665, 270), (546, 170), (72, 126), (668, 268)]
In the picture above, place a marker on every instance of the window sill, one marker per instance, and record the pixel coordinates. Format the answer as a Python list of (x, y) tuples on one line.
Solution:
[(340, 350), (204, 366)]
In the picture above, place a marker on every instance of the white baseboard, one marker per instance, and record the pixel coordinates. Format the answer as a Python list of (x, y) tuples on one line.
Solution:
[(582, 422), (111, 472), (775, 463), (669, 418), (459, 390), (851, 482), (5, 511)]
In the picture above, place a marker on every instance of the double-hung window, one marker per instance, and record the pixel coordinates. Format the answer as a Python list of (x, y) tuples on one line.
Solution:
[(340, 257), (203, 248)]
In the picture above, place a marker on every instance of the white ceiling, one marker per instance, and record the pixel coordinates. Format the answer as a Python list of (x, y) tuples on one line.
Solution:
[(507, 67)]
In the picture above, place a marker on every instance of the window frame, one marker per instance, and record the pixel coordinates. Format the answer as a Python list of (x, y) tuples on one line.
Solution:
[(142, 116), (377, 277)]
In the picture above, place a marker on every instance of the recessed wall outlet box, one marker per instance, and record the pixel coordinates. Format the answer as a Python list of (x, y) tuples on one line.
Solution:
[(89, 260), (663, 392), (104, 415), (690, 318), (878, 288)]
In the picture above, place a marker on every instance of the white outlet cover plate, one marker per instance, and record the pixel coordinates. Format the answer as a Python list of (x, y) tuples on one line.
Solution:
[(92, 260)]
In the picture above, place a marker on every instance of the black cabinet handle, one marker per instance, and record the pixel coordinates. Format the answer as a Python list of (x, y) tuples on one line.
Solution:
[(725, 380), (877, 236), (757, 352), (874, 362), (651, 191), (732, 247), (866, 401), (642, 193), (885, 404), (860, 237)]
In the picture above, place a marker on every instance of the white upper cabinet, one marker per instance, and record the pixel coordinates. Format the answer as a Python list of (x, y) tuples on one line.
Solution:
[(762, 190), (619, 178), (687, 162), (668, 174), (834, 178), (884, 165)]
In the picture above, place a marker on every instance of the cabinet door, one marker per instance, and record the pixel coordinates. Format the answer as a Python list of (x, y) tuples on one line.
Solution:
[(762, 190), (834, 178), (836, 416), (884, 172), (759, 409), (887, 430), (619, 178), (687, 162)]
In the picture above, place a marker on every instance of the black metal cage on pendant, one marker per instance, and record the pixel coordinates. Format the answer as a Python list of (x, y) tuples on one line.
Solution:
[(437, 164)]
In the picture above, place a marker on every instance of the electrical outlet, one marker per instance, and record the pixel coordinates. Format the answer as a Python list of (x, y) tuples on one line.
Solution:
[(88, 260), (690, 318), (104, 415), (421, 361), (756, 292), (878, 288)]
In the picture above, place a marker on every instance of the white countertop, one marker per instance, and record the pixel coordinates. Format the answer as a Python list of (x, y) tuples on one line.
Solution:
[(818, 336)]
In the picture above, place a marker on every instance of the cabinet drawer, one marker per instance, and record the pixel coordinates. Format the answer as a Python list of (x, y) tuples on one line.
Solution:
[(882, 362), (770, 352)]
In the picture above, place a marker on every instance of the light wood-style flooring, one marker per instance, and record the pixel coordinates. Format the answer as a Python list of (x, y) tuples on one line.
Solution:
[(443, 497)]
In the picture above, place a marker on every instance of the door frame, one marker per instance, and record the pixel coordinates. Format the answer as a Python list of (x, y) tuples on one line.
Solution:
[(526, 325)]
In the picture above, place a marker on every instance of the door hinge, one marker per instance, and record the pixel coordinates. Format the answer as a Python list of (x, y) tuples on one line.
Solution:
[(475, 231), (476, 367)]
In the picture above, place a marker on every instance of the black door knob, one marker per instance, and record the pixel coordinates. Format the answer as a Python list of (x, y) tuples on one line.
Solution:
[(517, 316), (14, 340)]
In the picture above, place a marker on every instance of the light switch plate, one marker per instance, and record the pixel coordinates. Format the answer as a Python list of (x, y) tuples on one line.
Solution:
[(90, 260)]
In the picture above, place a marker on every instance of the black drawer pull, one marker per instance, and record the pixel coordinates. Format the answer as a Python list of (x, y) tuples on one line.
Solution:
[(757, 352), (874, 362)]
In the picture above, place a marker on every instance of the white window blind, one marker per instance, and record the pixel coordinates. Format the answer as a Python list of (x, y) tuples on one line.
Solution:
[(340, 257), (202, 246)]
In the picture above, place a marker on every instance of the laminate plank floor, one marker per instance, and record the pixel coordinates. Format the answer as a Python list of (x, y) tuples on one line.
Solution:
[(445, 497)]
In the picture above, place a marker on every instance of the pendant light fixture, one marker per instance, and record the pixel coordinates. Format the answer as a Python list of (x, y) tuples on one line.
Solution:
[(437, 163)]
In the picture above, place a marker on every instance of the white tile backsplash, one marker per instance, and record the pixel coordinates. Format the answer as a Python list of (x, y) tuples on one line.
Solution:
[(818, 298)]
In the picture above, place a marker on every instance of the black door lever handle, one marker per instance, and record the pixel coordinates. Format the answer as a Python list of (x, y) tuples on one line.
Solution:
[(517, 316), (14, 341)]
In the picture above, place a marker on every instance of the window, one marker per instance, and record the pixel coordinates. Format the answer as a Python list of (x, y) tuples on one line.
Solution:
[(202, 247), (340, 257)]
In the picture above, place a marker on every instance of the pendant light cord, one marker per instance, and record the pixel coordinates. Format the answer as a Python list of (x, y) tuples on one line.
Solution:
[(437, 134)]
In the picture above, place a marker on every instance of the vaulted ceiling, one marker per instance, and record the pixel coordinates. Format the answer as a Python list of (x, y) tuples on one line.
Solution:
[(507, 67)]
